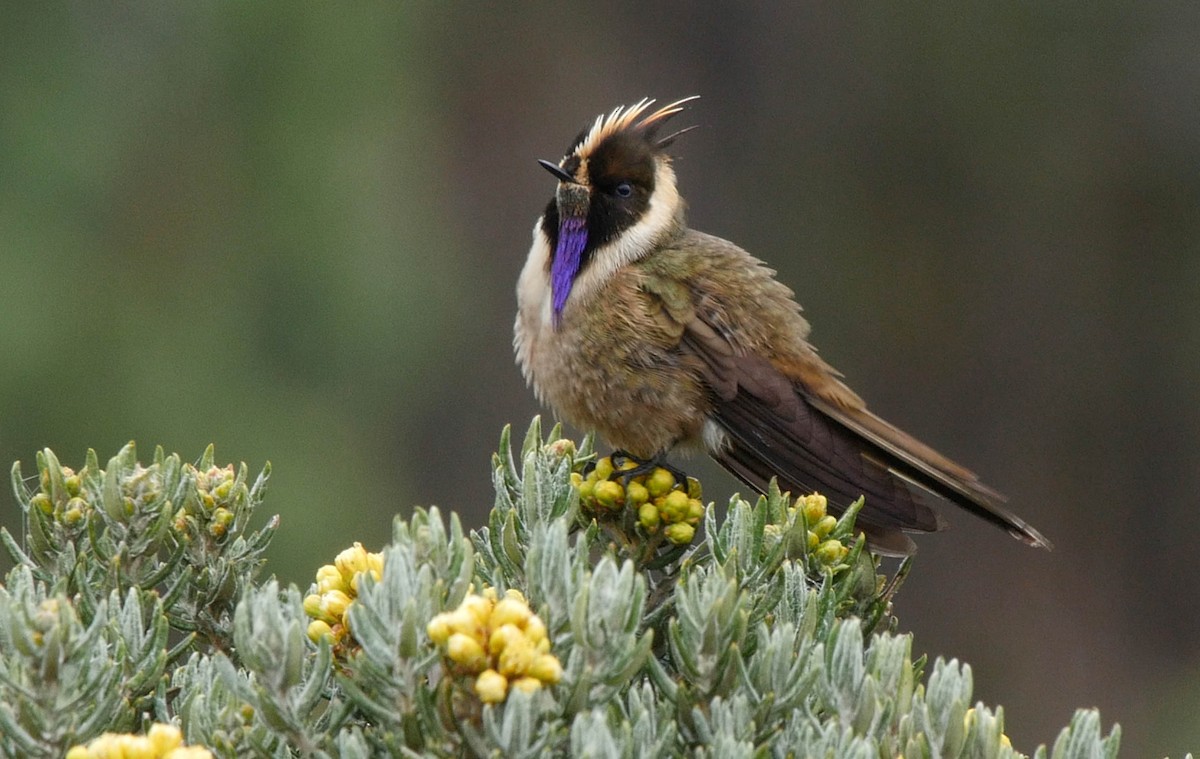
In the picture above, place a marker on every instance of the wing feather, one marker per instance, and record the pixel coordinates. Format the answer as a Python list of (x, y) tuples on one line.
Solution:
[(776, 425), (790, 416)]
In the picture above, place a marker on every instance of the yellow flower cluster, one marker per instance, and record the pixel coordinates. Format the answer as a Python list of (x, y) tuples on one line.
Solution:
[(161, 742), (210, 511), (70, 511), (828, 551), (660, 501), (502, 643), (214, 487), (336, 589)]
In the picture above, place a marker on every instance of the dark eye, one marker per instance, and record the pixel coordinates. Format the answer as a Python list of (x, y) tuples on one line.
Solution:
[(624, 190)]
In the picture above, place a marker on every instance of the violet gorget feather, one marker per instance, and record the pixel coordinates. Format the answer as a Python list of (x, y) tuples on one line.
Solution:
[(568, 254)]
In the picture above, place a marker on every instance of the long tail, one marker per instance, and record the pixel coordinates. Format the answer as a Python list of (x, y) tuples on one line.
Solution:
[(844, 453)]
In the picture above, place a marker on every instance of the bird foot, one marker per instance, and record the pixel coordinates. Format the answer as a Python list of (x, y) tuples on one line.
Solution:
[(645, 466)]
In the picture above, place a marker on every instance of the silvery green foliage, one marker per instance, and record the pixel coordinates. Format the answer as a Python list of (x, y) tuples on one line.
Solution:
[(739, 645), (62, 677), (279, 703), (150, 527), (393, 680)]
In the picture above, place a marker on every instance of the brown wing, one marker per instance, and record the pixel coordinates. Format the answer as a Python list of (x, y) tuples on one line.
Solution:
[(808, 430)]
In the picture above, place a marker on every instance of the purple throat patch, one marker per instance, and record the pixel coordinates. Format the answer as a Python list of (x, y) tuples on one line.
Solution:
[(568, 254)]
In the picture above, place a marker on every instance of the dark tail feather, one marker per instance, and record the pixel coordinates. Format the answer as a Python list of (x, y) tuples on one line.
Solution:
[(820, 450), (909, 459), (889, 541)]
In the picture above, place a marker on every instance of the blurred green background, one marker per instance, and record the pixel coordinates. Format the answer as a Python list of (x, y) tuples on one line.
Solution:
[(294, 231)]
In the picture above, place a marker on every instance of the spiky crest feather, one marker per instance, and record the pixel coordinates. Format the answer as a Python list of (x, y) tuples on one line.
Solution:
[(624, 118)]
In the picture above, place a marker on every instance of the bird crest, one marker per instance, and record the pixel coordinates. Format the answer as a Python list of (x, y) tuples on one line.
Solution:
[(631, 118)]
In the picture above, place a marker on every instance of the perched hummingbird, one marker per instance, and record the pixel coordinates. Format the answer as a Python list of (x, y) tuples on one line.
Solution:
[(659, 337)]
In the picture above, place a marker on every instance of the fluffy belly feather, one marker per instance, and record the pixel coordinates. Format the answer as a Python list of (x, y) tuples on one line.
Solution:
[(598, 373)]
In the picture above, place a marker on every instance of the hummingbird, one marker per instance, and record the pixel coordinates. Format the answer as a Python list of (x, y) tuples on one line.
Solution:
[(663, 339)]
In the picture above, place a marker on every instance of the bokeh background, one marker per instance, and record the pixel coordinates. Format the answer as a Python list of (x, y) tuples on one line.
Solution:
[(294, 231)]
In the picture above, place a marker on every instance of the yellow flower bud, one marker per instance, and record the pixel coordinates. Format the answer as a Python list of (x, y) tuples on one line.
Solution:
[(465, 650), (73, 514), (79, 752), (164, 737), (561, 447), (319, 628), (576, 479), (586, 490), (516, 657), (222, 491), (334, 604), (375, 565), (515, 595), (648, 516), (312, 605), (831, 552), (501, 637), (438, 629), (463, 621), (674, 507), (535, 629), (478, 607), (329, 578), (813, 540), (825, 525), (510, 612), (608, 494), (814, 508), (491, 686), (42, 503), (604, 468), (546, 668), (680, 533), (527, 684), (695, 510), (351, 561), (660, 482), (636, 493), (222, 518)]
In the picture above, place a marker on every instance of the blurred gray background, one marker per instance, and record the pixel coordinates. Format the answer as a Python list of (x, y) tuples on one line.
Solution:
[(295, 232)]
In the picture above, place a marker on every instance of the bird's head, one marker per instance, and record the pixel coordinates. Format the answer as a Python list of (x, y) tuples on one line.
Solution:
[(616, 195)]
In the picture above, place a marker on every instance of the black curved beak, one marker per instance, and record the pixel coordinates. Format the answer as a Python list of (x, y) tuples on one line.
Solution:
[(557, 171)]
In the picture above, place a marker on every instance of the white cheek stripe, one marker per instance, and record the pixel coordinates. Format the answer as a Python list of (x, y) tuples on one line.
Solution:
[(533, 287), (633, 243)]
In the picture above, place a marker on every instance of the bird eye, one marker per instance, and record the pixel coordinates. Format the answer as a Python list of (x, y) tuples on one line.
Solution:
[(624, 190)]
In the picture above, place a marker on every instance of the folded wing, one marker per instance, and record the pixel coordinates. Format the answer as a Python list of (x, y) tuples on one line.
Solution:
[(802, 426)]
